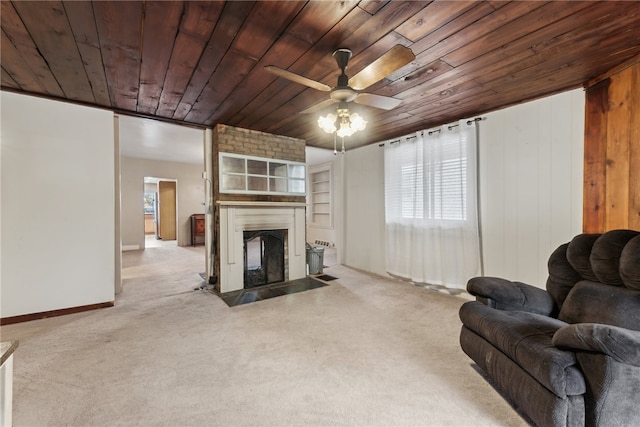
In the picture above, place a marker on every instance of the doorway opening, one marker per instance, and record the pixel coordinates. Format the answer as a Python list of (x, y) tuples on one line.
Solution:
[(160, 212)]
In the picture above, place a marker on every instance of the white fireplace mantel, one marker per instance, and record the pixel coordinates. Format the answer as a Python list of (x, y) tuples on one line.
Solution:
[(237, 217), (259, 204)]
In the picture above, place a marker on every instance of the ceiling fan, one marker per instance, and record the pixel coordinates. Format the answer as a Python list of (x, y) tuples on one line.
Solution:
[(350, 89)]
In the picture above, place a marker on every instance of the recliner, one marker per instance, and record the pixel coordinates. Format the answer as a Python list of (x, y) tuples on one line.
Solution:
[(570, 355)]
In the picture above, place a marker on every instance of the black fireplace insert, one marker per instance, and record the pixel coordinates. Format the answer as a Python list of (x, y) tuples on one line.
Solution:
[(264, 257)]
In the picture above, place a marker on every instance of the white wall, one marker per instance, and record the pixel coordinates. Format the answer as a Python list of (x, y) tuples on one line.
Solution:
[(531, 158), (190, 189), (531, 177), (363, 201), (57, 203)]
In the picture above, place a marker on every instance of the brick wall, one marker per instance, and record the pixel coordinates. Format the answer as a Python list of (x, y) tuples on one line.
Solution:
[(229, 139)]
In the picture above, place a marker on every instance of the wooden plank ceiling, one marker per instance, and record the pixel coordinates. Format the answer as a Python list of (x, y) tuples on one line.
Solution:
[(202, 63)]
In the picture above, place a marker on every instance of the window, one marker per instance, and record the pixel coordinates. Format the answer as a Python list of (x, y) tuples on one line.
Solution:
[(432, 180), (431, 206), (446, 183), (257, 175)]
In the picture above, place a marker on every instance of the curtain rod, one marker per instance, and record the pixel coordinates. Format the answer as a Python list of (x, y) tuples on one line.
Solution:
[(431, 132), (477, 119), (395, 141)]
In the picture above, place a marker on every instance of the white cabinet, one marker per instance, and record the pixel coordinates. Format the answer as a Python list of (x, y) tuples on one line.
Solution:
[(257, 175)]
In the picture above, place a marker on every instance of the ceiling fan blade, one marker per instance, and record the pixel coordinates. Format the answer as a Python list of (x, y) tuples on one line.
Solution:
[(395, 58), (280, 72), (377, 101), (319, 106)]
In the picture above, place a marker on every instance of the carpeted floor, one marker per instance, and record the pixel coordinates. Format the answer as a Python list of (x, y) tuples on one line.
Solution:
[(363, 351)]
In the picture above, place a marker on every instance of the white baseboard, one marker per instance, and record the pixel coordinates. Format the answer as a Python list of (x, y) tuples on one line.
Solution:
[(130, 247)]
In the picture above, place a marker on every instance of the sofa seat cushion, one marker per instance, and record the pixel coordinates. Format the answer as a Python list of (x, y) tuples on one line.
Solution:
[(526, 339)]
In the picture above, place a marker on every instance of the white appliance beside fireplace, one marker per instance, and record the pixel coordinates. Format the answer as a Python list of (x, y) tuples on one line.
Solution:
[(236, 217)]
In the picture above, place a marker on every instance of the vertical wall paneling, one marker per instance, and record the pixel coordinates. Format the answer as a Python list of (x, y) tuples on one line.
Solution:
[(528, 190), (634, 150), (577, 167), (493, 154), (531, 184), (612, 159), (617, 158), (595, 157)]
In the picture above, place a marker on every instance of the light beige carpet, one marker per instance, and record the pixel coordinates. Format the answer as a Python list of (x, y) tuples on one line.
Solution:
[(363, 351)]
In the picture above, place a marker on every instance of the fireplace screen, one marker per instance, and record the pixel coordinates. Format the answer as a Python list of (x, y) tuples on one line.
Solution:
[(264, 256)]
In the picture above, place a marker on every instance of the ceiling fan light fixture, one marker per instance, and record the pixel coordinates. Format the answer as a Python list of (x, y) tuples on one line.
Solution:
[(343, 94), (349, 123), (327, 123), (345, 129), (348, 89), (357, 122)]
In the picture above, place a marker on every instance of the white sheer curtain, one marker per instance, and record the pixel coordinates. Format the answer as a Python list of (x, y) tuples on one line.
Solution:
[(431, 210)]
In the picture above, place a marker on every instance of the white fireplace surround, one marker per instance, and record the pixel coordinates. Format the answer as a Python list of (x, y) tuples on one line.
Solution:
[(238, 217)]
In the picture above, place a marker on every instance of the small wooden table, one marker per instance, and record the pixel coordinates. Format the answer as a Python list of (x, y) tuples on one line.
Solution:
[(197, 229)]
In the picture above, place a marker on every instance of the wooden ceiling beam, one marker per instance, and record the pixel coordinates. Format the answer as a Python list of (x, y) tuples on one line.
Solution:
[(160, 28), (544, 16), (231, 19), (49, 28), (196, 26), (83, 26), (120, 35), (287, 49), (21, 58), (265, 21), (7, 80)]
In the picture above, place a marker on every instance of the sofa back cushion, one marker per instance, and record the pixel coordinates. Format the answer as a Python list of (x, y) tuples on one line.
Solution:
[(595, 302), (562, 276), (609, 288), (579, 254), (630, 264), (606, 253)]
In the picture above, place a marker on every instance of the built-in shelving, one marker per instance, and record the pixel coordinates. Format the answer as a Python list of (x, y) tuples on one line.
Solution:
[(320, 200)]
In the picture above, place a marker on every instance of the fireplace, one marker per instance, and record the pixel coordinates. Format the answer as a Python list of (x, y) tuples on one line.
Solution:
[(264, 257), (247, 229)]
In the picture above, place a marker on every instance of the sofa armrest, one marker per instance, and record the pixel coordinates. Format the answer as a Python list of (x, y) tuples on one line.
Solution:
[(623, 345), (504, 294)]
